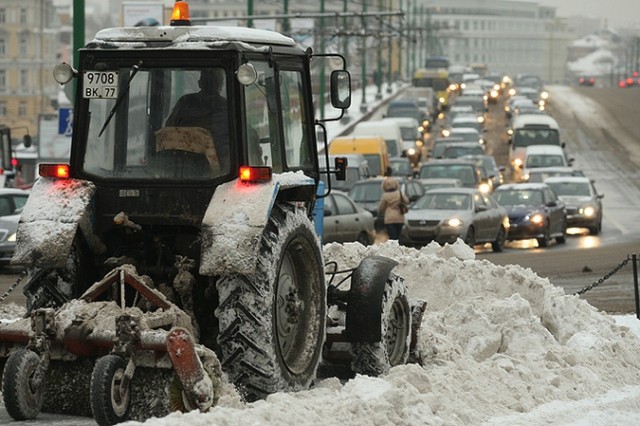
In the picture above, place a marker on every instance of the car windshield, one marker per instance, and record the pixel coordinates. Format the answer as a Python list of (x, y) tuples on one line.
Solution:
[(528, 137), (544, 160), (443, 201), (452, 171), (571, 188), (518, 197), (366, 192)]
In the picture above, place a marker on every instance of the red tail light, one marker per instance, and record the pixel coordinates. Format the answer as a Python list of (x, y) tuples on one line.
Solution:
[(14, 162), (60, 171), (255, 174)]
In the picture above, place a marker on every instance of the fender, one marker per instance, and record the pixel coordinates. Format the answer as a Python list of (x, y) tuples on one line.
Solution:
[(54, 211), (364, 321), (235, 219)]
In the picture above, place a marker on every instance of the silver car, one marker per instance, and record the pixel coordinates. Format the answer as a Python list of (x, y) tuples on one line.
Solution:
[(345, 221), (446, 214)]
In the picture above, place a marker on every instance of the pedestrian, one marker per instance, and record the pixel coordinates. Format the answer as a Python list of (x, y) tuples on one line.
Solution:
[(391, 207)]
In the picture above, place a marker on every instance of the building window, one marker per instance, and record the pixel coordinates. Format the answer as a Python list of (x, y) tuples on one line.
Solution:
[(3, 17), (3, 108), (24, 79), (3, 46), (22, 109), (3, 80), (24, 44), (23, 16)]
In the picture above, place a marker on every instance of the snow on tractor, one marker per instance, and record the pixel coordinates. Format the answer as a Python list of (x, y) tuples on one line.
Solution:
[(177, 250)]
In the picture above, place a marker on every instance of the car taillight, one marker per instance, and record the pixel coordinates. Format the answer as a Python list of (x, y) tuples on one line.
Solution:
[(255, 174), (60, 171)]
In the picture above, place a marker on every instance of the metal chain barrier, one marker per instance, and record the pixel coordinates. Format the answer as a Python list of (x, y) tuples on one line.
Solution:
[(14, 285), (606, 277)]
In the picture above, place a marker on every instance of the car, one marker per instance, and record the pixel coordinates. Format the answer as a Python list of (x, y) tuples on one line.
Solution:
[(586, 81), (582, 201), (434, 183), (408, 108), (367, 193), (539, 174), (8, 230), (541, 156), (446, 214), (12, 201), (469, 173), (345, 221), (535, 211), (357, 169), (412, 137), (488, 162), (400, 166), (468, 134), (437, 149), (459, 149)]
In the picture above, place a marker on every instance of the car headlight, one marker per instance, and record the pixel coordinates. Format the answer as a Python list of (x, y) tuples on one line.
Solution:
[(544, 95), (411, 151), (536, 218), (419, 143), (454, 222), (480, 119), (512, 92), (12, 238), (446, 132), (425, 123), (441, 100), (485, 188), (517, 162), (588, 211)]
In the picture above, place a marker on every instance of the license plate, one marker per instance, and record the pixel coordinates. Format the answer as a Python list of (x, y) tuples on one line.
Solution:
[(100, 85)]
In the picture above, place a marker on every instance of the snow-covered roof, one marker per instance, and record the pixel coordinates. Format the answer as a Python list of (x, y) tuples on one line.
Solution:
[(191, 34), (599, 62), (590, 40)]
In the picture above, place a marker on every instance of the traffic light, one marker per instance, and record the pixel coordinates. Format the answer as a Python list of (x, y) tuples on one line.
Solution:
[(341, 168)]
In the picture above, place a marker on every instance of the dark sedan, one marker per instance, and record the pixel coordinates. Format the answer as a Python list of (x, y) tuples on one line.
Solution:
[(446, 214), (583, 203), (534, 212)]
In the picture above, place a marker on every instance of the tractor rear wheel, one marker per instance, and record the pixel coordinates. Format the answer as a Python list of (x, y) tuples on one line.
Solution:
[(376, 358), (272, 323)]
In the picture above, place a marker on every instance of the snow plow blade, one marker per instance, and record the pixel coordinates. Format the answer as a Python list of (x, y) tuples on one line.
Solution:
[(108, 360)]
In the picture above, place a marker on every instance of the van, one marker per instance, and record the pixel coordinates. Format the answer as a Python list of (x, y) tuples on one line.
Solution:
[(531, 129), (390, 132), (537, 156), (412, 139), (373, 148)]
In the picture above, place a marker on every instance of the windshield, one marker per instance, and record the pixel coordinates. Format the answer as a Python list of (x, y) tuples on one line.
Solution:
[(571, 188), (528, 137), (544, 161), (452, 171), (518, 198), (366, 193), (443, 202), (169, 123)]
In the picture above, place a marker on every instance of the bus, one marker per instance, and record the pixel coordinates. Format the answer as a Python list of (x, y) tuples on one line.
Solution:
[(438, 80), (437, 62)]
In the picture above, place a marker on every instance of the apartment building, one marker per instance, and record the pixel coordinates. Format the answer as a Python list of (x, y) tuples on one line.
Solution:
[(29, 46)]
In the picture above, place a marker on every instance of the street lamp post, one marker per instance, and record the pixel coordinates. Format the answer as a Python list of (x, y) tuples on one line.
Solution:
[(363, 105)]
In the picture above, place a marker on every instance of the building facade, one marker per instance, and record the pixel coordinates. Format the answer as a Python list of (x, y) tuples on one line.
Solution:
[(29, 46), (510, 37)]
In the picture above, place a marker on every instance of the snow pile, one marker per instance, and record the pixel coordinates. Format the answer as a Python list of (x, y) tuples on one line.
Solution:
[(598, 63), (495, 342)]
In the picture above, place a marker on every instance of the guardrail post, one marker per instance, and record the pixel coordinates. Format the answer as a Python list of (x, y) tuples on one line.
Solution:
[(634, 260)]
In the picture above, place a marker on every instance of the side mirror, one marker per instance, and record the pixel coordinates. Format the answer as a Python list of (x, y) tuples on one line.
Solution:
[(340, 89), (481, 208)]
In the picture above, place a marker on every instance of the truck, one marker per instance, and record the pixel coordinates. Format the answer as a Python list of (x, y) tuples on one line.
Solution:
[(176, 253)]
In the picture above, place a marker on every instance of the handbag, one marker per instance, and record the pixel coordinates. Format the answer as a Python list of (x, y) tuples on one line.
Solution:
[(402, 206)]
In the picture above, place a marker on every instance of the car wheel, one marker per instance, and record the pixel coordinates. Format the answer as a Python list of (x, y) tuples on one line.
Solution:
[(364, 239), (498, 244), (470, 239), (544, 240), (595, 230), (563, 238)]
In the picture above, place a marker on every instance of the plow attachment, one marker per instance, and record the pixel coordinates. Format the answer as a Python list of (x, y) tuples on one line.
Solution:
[(128, 360)]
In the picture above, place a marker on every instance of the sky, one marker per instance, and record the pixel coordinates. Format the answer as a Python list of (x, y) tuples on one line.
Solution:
[(498, 346)]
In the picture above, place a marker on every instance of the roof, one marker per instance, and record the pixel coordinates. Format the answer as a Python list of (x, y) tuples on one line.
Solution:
[(544, 149), (521, 186), (454, 190), (523, 120), (181, 35), (568, 179)]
